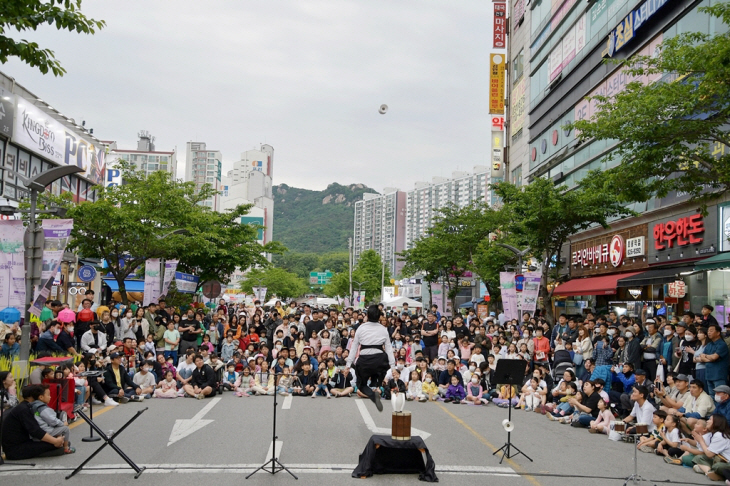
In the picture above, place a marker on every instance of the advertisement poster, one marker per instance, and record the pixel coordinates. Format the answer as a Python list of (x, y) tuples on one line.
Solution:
[(56, 233), (359, 299), (260, 293), (186, 283), (12, 265), (483, 311), (496, 84), (509, 294), (151, 281), (531, 291), (499, 40), (170, 267)]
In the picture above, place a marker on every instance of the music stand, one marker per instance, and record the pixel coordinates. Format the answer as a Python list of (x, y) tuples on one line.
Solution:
[(510, 372), (274, 463), (91, 438), (109, 441)]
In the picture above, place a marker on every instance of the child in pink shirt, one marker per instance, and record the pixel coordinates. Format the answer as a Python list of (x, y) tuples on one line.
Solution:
[(602, 423)]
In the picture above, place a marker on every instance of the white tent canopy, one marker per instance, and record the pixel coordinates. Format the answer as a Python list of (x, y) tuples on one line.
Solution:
[(271, 303), (326, 301), (399, 301)]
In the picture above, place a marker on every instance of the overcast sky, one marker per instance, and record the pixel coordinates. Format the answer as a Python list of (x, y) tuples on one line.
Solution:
[(304, 76)]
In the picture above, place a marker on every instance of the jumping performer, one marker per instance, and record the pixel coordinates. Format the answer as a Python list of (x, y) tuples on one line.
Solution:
[(375, 354)]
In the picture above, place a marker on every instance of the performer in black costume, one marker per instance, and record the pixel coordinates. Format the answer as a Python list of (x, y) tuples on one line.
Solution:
[(375, 354)]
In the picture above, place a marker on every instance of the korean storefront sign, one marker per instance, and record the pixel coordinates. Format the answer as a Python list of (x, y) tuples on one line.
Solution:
[(496, 84), (622, 250), (499, 40), (684, 236)]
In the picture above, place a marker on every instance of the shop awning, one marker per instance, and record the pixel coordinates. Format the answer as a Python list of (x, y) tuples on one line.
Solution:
[(603, 285), (130, 285), (718, 261), (655, 276)]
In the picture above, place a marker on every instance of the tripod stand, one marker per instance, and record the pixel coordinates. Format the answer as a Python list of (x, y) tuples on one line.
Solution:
[(635, 477), (3, 391), (509, 372), (273, 464), (91, 437)]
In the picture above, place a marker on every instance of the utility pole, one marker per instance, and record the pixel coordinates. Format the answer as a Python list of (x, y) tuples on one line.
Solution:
[(382, 280)]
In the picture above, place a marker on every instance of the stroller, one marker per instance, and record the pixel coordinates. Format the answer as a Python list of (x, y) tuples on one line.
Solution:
[(561, 362)]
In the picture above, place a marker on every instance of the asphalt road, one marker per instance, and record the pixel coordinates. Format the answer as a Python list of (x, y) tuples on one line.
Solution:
[(226, 438)]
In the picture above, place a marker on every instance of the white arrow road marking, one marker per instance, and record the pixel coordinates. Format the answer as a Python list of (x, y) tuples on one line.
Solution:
[(287, 402), (185, 427), (273, 450), (370, 423)]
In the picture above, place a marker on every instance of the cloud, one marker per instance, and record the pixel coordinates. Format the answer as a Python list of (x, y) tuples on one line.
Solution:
[(307, 77)]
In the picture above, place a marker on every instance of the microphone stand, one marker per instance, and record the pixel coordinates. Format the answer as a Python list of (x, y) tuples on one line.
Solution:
[(2, 412), (273, 464)]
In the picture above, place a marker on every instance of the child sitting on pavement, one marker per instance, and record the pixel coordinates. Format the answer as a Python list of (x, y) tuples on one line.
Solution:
[(669, 435), (455, 393), (649, 443), (47, 420), (602, 423), (429, 388), (167, 388), (228, 381)]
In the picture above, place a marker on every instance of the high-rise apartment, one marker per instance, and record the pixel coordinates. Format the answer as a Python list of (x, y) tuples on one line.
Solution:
[(380, 226), (204, 166)]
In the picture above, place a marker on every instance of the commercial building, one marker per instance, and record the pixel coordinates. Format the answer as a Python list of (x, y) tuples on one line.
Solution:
[(668, 260), (145, 158), (204, 166), (250, 182), (380, 226)]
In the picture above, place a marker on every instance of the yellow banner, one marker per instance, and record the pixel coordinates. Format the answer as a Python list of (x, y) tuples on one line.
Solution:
[(496, 84)]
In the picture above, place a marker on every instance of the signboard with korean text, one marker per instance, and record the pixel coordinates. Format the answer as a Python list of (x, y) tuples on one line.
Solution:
[(518, 11), (496, 84), (684, 236), (499, 40), (609, 253), (518, 104), (635, 247), (626, 29)]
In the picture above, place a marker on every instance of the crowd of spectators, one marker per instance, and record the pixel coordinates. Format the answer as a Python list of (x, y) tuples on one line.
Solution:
[(664, 380)]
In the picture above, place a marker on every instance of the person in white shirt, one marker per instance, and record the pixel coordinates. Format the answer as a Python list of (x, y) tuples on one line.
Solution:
[(92, 339), (145, 380), (374, 353), (715, 453), (643, 411)]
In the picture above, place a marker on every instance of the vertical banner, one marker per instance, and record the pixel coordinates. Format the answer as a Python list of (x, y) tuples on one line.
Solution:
[(499, 40), (56, 233), (151, 281), (496, 84), (260, 293), (359, 299), (12, 265), (531, 291), (509, 294), (170, 268)]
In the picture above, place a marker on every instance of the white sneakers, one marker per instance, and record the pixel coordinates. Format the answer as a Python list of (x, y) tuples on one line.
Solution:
[(110, 403)]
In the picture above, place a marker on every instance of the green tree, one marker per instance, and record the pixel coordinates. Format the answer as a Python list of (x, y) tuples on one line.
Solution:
[(132, 222), (23, 15), (368, 271), (543, 216), (671, 134), (279, 282)]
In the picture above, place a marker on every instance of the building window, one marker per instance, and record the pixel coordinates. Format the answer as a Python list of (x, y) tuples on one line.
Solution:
[(517, 66), (517, 176)]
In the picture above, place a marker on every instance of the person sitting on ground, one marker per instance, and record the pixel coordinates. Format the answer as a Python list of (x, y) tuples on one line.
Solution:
[(429, 387), (117, 383), (203, 383), (506, 396), (264, 380), (167, 388), (307, 381), (322, 388), (455, 393), (229, 377), (649, 443), (531, 396), (643, 410), (414, 390), (474, 390), (343, 386), (698, 405), (669, 435), (672, 400), (393, 385), (682, 455), (602, 424), (49, 422), (22, 437), (245, 383), (564, 407), (145, 380), (715, 457), (587, 408), (285, 382)]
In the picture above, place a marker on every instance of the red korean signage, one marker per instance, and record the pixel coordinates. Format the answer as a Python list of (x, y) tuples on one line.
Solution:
[(677, 289), (684, 231), (500, 26)]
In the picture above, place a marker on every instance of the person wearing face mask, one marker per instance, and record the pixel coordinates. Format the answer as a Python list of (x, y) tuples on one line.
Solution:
[(541, 346), (633, 348), (66, 339), (92, 339), (128, 324), (667, 358), (145, 380), (47, 340), (685, 352)]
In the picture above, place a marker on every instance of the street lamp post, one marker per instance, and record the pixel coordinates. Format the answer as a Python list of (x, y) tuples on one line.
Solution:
[(520, 255), (34, 243)]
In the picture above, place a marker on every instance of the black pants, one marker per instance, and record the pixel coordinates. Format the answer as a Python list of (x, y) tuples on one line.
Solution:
[(371, 367), (28, 450), (650, 366)]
